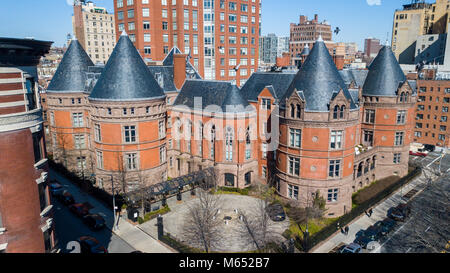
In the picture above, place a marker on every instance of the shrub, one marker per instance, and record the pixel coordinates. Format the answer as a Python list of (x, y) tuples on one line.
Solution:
[(140, 220), (374, 189), (151, 215)]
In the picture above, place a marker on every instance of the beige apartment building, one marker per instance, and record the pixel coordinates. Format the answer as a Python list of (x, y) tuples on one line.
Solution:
[(414, 20), (95, 29)]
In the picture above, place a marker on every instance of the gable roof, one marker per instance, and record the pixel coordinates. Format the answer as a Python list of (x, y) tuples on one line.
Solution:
[(218, 93), (125, 76), (71, 73), (318, 79), (385, 75), (280, 82)]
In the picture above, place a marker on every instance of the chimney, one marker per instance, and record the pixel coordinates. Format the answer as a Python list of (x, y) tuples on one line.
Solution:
[(316, 18), (179, 70), (303, 19)]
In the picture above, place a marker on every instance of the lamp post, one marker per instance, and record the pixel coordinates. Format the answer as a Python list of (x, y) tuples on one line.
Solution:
[(114, 202)]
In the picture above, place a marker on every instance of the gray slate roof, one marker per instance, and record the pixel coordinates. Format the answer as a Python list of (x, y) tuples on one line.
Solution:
[(71, 73), (357, 76), (126, 77), (319, 81), (166, 73), (385, 75), (259, 80), (218, 93)]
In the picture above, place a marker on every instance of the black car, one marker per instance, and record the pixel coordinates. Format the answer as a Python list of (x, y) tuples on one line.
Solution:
[(276, 212), (400, 213), (363, 240), (94, 221), (90, 245), (385, 226), (66, 198), (56, 189)]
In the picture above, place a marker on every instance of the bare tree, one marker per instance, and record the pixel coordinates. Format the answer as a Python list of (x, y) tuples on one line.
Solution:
[(202, 227), (122, 172), (255, 226), (62, 146)]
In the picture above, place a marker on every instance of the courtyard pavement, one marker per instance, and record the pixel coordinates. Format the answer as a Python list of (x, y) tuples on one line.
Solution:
[(233, 238)]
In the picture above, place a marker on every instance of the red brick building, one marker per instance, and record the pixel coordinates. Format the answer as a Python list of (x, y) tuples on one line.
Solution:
[(26, 214), (218, 35), (432, 125), (337, 131)]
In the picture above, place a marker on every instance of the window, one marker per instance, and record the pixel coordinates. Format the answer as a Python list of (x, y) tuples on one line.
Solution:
[(397, 158), (368, 138), (248, 178), (401, 117), (131, 160), (248, 145), (294, 166), (335, 168), (99, 160), (264, 171), (162, 129), (79, 142), (130, 134), (130, 13), (264, 150), (77, 119), (162, 155), (336, 140), (293, 192), (146, 25), (370, 116), (37, 147), (229, 144), (265, 104), (399, 138), (333, 195), (81, 163), (296, 136), (52, 118)]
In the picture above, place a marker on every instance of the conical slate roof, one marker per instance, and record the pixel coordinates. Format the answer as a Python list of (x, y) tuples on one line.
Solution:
[(305, 51), (71, 73), (168, 60), (319, 80), (385, 75), (126, 77), (233, 101)]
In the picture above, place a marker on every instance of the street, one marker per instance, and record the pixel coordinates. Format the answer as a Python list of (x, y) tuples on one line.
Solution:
[(427, 230), (69, 227)]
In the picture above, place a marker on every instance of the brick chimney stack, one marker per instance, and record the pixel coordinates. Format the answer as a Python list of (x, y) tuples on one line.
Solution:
[(303, 19), (179, 70)]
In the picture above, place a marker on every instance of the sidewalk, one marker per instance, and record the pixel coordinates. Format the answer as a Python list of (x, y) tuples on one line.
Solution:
[(135, 237), (363, 222)]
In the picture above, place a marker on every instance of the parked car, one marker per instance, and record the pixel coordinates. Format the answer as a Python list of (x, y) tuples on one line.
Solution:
[(276, 212), (418, 154), (351, 248), (400, 213), (363, 240), (374, 232), (386, 226), (66, 198), (90, 245), (56, 189), (79, 209), (94, 221)]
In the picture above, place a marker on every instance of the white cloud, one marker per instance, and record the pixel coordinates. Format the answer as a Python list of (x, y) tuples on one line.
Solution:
[(374, 2)]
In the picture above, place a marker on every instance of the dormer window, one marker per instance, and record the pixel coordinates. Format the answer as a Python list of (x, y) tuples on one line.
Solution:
[(292, 111), (339, 112), (342, 114), (266, 104), (336, 112), (299, 111)]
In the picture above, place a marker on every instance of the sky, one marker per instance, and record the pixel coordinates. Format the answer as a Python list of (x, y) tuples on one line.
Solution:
[(51, 20)]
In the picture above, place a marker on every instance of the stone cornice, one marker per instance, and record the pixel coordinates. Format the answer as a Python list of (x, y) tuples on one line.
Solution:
[(21, 121)]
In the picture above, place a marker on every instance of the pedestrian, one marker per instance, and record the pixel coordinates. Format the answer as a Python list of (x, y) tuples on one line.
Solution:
[(347, 229), (370, 212), (343, 231)]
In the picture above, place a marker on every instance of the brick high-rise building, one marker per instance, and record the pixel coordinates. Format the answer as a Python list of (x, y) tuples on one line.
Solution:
[(218, 35), (95, 30), (372, 47), (432, 125), (26, 213)]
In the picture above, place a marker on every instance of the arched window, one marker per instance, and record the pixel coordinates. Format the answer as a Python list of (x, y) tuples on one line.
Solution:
[(292, 111), (336, 112), (299, 111), (229, 180), (402, 97), (342, 112), (248, 144), (229, 144), (213, 141), (406, 96)]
